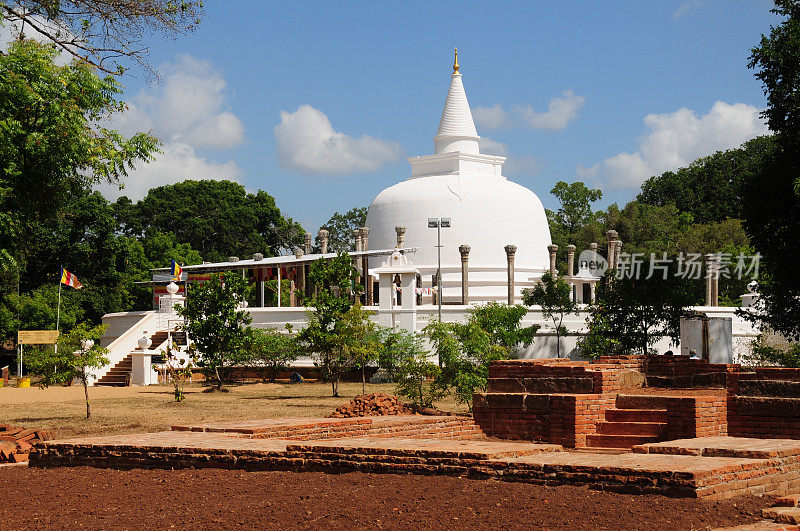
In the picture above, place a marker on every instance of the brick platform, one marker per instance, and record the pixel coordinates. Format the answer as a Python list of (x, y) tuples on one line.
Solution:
[(409, 426), (714, 467)]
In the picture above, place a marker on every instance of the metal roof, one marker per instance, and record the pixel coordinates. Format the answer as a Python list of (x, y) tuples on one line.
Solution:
[(214, 267)]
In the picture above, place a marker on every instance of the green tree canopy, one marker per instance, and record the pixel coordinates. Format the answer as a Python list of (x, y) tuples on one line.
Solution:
[(100, 32), (218, 325), (217, 219), (772, 206), (575, 211), (710, 188), (338, 334), (51, 143), (340, 229)]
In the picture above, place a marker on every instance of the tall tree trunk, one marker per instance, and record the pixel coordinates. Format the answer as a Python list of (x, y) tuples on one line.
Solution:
[(86, 394), (363, 378)]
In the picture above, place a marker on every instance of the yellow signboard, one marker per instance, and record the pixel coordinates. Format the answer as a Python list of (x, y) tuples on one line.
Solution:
[(37, 337)]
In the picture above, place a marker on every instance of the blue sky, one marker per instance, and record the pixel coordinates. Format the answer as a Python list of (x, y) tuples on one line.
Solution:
[(319, 103)]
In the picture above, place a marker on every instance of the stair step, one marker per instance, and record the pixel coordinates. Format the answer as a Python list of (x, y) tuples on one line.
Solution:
[(641, 402), (631, 428), (636, 415), (618, 441)]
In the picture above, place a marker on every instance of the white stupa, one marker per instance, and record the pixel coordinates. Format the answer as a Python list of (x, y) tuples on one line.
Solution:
[(487, 212)]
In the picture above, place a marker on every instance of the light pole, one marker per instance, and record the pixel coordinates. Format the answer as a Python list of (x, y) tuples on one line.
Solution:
[(439, 224)]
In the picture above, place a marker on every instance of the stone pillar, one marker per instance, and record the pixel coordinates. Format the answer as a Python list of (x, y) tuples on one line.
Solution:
[(571, 259), (368, 298), (357, 238), (552, 249), (307, 244), (712, 281), (611, 236), (323, 240), (593, 249), (401, 235), (617, 252), (464, 250), (511, 251)]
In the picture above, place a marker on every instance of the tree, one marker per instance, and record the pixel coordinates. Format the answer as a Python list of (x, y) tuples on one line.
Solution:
[(555, 298), (79, 354), (340, 229), (710, 188), (576, 208), (271, 352), (217, 324), (492, 332), (635, 311), (772, 209), (100, 32), (418, 379), (217, 219), (338, 331), (50, 144)]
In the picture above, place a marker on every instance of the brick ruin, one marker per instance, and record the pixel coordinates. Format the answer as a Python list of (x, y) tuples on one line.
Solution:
[(582, 404)]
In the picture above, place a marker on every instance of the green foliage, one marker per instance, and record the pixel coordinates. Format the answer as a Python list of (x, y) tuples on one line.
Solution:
[(217, 219), (503, 324), (786, 355), (395, 345), (217, 325), (492, 332), (179, 367), (340, 229), (710, 188), (419, 380), (70, 361), (636, 312), (272, 351), (576, 208), (338, 332), (555, 298), (98, 32), (772, 209)]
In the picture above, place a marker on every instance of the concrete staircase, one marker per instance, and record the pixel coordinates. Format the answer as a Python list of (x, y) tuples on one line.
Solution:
[(120, 374), (634, 420)]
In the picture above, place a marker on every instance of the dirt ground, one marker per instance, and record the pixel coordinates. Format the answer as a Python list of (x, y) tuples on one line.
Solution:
[(214, 498), (148, 409)]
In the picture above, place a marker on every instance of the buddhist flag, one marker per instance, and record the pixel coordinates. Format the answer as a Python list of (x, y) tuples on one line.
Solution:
[(68, 279), (176, 271)]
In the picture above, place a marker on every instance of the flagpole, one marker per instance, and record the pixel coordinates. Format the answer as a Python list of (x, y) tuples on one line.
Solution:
[(58, 311)]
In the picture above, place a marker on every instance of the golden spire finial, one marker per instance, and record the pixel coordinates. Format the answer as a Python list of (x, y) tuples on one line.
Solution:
[(455, 62)]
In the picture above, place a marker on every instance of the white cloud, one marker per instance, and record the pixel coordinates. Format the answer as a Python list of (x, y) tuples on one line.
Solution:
[(492, 147), (178, 162), (307, 142), (189, 113), (10, 31), (561, 111), (493, 117), (674, 140), (684, 8), (514, 165)]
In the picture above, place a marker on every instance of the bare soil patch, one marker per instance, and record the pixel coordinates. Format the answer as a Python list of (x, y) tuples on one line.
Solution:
[(214, 498)]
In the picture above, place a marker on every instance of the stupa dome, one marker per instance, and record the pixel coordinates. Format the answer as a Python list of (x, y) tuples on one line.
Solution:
[(487, 212)]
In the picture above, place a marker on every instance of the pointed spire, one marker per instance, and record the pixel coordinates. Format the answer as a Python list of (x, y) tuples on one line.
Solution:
[(456, 127)]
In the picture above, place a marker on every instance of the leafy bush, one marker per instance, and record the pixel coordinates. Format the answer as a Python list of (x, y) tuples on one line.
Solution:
[(492, 332), (272, 351)]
